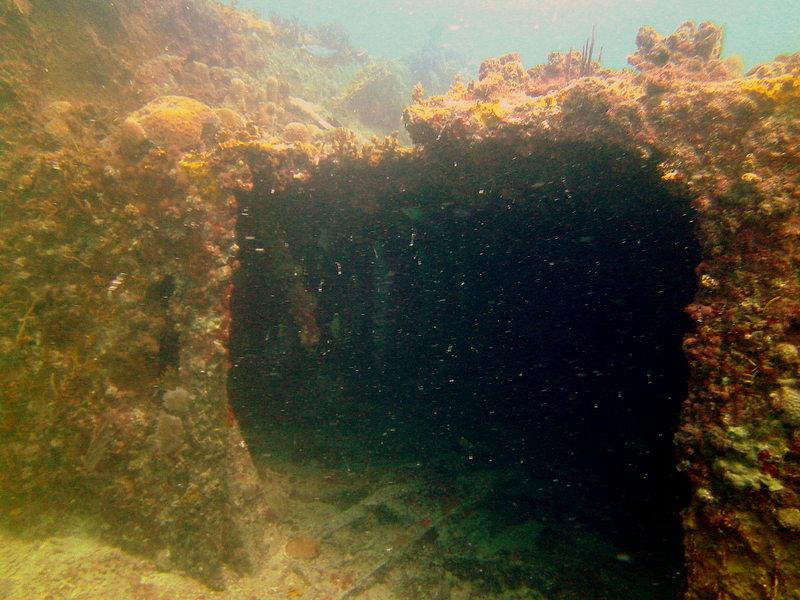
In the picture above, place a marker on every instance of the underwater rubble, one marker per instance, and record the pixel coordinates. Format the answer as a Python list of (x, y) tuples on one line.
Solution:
[(136, 137)]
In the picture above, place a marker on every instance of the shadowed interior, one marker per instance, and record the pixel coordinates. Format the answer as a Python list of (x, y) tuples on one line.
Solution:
[(480, 308)]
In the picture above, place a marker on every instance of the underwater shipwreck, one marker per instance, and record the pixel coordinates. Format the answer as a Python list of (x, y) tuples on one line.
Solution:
[(206, 277)]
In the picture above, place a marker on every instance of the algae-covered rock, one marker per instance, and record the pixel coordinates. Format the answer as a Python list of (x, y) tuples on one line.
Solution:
[(302, 547), (787, 401), (169, 433), (229, 118), (177, 401), (786, 353), (131, 138), (743, 475), (691, 52), (377, 95), (57, 115), (789, 518)]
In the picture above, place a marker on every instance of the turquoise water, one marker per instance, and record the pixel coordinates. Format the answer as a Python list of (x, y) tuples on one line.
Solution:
[(756, 31)]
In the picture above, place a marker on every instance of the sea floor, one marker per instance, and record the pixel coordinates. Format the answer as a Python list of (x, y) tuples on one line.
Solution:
[(381, 535)]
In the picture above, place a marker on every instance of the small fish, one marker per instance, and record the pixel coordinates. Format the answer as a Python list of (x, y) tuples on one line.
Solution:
[(623, 557), (324, 239), (116, 283), (24, 7), (336, 326), (319, 51), (413, 212)]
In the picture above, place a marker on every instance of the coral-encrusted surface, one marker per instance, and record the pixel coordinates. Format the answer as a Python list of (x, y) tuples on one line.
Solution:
[(117, 246), (733, 144), (129, 129)]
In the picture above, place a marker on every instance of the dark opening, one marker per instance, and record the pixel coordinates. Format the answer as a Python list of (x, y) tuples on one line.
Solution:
[(494, 311), (159, 294)]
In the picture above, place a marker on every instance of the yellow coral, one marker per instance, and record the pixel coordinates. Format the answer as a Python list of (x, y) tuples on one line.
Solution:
[(176, 121), (457, 90), (780, 90), (199, 172), (297, 132), (750, 178), (489, 113), (259, 145)]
